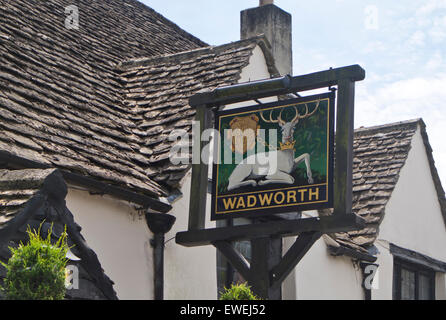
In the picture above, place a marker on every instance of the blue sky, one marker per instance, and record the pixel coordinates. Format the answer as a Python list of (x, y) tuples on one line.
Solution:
[(400, 44)]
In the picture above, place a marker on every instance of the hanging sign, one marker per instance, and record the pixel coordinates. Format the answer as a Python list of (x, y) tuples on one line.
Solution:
[(274, 158)]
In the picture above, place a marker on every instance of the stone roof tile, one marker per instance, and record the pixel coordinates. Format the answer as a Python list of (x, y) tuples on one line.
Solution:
[(162, 102)]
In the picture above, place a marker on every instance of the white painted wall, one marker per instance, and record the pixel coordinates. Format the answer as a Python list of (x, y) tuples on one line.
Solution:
[(120, 238), (440, 286), (320, 276), (413, 218), (256, 70), (190, 273)]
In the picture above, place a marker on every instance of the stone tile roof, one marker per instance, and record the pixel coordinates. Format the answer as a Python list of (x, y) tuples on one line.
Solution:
[(17, 188), (379, 154), (61, 99), (158, 90), (35, 198)]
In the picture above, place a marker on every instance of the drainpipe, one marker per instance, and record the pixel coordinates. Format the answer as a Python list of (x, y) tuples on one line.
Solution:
[(159, 224)]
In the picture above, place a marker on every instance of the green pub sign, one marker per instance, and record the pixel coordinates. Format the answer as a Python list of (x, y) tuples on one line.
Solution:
[(274, 158)]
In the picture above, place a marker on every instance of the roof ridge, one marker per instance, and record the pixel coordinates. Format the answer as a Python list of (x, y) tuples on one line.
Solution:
[(187, 34), (31, 177), (391, 125), (144, 61)]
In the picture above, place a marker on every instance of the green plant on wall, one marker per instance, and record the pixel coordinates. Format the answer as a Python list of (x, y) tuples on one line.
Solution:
[(238, 292), (36, 270)]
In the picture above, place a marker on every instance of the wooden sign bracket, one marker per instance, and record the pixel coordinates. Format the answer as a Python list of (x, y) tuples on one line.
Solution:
[(264, 274)]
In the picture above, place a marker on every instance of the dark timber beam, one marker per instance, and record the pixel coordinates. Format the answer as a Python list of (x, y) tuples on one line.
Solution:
[(417, 258), (329, 224), (234, 257), (355, 254), (266, 274), (199, 181), (343, 171), (279, 86), (118, 192), (260, 259)]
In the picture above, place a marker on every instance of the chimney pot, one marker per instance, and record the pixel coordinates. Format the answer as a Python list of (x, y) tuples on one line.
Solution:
[(265, 2)]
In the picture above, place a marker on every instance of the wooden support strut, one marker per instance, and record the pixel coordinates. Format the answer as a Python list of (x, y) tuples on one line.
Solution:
[(267, 287)]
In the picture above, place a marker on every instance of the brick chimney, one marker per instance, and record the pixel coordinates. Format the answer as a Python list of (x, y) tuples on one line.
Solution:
[(275, 23)]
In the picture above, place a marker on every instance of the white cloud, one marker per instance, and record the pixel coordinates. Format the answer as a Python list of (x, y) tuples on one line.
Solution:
[(437, 34), (307, 60), (418, 97), (431, 6), (417, 39), (374, 47), (435, 62)]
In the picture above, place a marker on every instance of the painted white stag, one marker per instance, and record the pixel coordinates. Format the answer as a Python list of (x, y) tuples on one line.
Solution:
[(257, 169)]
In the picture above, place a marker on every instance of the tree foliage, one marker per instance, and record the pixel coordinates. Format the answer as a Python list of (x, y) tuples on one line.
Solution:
[(238, 292), (36, 271)]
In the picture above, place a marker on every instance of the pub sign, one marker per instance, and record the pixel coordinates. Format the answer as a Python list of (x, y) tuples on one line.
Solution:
[(274, 158)]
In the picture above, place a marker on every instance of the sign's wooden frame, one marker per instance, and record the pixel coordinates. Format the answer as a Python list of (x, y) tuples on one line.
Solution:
[(327, 202)]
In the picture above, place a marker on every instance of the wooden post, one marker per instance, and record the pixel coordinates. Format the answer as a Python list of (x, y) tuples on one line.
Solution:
[(343, 171), (197, 204), (259, 267), (274, 259)]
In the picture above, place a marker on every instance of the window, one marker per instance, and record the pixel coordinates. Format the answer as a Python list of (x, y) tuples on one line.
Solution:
[(412, 282), (226, 274)]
